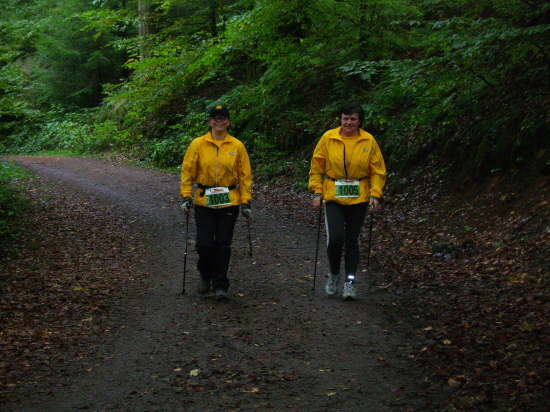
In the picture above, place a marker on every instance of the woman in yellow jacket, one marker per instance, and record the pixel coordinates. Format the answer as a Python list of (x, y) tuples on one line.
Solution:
[(348, 173), (219, 167)]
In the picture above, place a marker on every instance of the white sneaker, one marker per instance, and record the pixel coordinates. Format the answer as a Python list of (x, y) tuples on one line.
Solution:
[(349, 292), (332, 284)]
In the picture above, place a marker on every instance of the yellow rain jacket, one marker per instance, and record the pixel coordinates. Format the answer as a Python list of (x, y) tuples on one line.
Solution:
[(212, 163), (331, 162)]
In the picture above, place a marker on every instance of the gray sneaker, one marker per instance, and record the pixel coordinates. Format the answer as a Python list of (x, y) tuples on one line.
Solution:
[(221, 294), (349, 292), (332, 284), (204, 286)]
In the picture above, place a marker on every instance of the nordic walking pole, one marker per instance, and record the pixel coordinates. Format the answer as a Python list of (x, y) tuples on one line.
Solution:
[(185, 253), (249, 237), (317, 243)]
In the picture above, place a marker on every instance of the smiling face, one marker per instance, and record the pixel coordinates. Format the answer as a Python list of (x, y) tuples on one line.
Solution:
[(219, 124), (350, 124)]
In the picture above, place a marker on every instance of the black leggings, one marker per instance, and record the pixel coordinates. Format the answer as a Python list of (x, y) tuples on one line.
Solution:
[(343, 224), (214, 236)]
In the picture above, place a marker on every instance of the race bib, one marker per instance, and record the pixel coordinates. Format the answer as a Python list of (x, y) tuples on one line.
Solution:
[(217, 196), (347, 188)]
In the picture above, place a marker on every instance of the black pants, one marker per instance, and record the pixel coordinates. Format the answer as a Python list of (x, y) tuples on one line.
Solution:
[(343, 224), (214, 236)]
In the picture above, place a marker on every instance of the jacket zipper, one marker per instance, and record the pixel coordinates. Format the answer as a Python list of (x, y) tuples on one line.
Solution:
[(217, 164), (345, 168)]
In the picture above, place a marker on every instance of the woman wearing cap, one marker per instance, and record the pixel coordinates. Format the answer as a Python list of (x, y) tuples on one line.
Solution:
[(218, 164), (347, 173)]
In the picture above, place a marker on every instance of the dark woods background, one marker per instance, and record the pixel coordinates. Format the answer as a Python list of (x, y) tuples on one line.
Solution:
[(462, 84)]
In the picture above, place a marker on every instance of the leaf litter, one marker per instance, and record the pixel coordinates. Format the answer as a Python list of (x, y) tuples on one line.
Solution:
[(473, 269)]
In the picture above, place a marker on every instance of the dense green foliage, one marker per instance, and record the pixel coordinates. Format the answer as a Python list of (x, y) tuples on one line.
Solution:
[(464, 83)]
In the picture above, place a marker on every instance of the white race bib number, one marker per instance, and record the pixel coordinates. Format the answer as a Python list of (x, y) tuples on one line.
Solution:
[(347, 188), (217, 196)]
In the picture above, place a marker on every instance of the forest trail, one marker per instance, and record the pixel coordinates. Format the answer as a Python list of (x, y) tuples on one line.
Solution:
[(274, 345)]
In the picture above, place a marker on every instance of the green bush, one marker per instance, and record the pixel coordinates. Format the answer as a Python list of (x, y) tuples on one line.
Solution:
[(169, 152), (76, 132), (105, 136)]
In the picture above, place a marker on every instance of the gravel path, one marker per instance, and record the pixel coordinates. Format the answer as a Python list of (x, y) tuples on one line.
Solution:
[(274, 345)]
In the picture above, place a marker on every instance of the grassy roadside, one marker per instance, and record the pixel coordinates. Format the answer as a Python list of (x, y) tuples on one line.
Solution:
[(12, 204)]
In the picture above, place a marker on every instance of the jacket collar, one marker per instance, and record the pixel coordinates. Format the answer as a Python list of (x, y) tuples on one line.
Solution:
[(335, 134), (208, 136)]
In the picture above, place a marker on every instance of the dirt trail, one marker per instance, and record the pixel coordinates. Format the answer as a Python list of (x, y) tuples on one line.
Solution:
[(273, 346)]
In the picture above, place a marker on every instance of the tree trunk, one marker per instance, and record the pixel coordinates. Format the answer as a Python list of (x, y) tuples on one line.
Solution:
[(214, 18), (144, 7), (363, 10)]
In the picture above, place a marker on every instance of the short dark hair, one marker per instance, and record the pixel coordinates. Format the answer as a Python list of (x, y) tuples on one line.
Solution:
[(351, 108)]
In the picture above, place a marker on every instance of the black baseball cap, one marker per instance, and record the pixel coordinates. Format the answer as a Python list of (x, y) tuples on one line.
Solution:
[(218, 111)]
